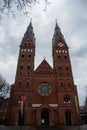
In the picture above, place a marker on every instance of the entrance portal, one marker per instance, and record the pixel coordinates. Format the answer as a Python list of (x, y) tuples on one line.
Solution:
[(68, 118), (45, 118)]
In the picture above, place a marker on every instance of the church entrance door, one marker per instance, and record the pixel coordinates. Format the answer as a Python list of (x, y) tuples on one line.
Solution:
[(45, 118)]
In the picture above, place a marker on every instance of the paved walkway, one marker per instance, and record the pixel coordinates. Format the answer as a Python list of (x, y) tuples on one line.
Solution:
[(82, 127)]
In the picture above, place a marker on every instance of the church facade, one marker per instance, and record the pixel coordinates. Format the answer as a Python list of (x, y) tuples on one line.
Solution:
[(46, 95)]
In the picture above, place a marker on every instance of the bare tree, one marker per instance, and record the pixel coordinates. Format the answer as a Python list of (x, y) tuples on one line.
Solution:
[(4, 87), (16, 7)]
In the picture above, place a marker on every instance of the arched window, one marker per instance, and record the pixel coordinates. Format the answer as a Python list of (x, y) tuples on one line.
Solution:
[(67, 74), (22, 50), (60, 68), (69, 84), (65, 51), (31, 50), (59, 51), (27, 84), (25, 50), (22, 55), (20, 73), (67, 99), (29, 56), (19, 84), (21, 67), (60, 74), (56, 51), (61, 84), (29, 44), (28, 67), (65, 57), (67, 68), (28, 50), (28, 73), (58, 56)]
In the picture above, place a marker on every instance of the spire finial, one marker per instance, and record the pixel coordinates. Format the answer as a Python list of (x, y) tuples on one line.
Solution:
[(30, 24), (56, 23), (31, 20), (56, 20)]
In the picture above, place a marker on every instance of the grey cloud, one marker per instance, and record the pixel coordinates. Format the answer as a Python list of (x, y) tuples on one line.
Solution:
[(81, 52)]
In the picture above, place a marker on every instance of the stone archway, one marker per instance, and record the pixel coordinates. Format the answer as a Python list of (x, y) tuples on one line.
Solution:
[(45, 116)]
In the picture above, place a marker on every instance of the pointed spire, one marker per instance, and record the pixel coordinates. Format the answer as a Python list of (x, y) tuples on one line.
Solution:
[(56, 26), (30, 28), (57, 31), (57, 34), (29, 32)]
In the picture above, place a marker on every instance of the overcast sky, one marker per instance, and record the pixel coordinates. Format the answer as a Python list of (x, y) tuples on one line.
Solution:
[(71, 16)]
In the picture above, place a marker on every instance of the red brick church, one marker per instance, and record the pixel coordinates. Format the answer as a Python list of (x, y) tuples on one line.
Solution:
[(46, 95)]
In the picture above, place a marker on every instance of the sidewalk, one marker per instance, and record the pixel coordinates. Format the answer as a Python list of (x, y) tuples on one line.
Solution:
[(82, 127)]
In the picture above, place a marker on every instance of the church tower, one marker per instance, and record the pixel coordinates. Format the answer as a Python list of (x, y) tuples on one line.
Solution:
[(66, 90), (61, 58), (21, 89), (25, 66), (60, 53)]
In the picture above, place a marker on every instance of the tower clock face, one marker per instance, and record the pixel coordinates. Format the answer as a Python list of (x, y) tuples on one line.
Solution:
[(60, 44), (44, 89)]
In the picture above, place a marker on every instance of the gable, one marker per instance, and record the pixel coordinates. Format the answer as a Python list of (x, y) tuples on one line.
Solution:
[(44, 68)]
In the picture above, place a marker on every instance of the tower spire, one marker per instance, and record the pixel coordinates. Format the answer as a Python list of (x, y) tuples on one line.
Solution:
[(58, 36), (56, 26), (29, 32), (57, 32)]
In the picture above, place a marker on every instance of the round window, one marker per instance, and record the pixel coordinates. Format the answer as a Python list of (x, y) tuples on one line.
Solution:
[(44, 89)]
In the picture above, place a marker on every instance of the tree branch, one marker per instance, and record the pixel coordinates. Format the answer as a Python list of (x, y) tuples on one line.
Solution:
[(15, 7)]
